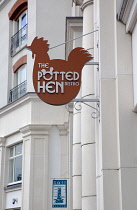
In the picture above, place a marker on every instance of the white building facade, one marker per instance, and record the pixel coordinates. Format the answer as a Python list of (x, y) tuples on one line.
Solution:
[(79, 156)]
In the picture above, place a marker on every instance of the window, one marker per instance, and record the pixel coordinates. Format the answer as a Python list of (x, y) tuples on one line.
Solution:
[(15, 163), (21, 30), (20, 83), (19, 39), (18, 16), (20, 75)]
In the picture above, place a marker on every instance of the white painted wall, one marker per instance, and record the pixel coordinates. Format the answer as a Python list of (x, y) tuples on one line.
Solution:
[(4, 52), (52, 28), (17, 194)]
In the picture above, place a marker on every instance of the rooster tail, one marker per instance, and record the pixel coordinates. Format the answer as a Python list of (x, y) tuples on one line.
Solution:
[(79, 56)]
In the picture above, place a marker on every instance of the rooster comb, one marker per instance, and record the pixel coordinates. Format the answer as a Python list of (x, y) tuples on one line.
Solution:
[(40, 42)]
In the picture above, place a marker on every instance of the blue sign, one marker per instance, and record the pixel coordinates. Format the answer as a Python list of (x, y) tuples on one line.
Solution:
[(59, 194)]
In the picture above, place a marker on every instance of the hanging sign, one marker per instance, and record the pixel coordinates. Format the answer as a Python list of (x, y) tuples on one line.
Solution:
[(57, 81)]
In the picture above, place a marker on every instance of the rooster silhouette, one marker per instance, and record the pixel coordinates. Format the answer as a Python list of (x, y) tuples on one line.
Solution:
[(57, 81)]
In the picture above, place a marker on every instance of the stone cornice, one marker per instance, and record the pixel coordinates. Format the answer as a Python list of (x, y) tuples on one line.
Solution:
[(70, 107), (18, 102), (85, 4), (78, 2), (63, 129), (2, 141), (128, 14), (125, 10), (132, 19), (3, 4), (35, 130)]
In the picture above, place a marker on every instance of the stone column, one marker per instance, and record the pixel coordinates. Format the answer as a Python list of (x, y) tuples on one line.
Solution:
[(77, 167), (87, 122), (2, 169), (35, 167), (65, 153), (70, 110)]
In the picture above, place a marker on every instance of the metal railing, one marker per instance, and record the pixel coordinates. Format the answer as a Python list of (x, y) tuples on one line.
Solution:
[(18, 91), (18, 40)]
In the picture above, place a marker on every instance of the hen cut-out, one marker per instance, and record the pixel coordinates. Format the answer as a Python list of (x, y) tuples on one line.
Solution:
[(57, 81)]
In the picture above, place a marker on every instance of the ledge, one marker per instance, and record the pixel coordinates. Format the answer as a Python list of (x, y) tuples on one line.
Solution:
[(3, 4), (125, 10), (14, 186), (18, 102), (132, 19)]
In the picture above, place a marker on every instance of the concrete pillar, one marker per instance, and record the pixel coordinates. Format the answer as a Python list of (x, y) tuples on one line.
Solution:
[(70, 187), (77, 167), (59, 161), (35, 167), (2, 169), (87, 122)]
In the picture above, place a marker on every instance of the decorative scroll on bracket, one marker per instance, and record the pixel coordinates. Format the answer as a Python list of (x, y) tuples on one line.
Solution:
[(78, 106)]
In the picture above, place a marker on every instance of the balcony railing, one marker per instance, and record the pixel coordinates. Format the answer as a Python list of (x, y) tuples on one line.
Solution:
[(18, 91), (19, 40)]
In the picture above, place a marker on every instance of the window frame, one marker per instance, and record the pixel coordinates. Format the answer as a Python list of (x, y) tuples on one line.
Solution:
[(17, 30), (16, 82), (13, 158), (19, 34)]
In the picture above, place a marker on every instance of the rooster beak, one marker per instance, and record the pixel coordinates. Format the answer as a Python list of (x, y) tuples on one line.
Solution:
[(32, 55), (28, 47)]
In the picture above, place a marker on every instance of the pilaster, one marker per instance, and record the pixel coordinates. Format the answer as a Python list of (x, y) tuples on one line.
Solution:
[(35, 167), (59, 160), (2, 172), (64, 144), (87, 122)]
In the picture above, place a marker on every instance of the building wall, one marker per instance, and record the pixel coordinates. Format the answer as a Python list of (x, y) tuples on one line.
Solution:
[(43, 129), (118, 138), (103, 160)]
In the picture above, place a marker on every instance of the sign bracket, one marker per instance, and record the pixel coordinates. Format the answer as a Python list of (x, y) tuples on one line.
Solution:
[(96, 113)]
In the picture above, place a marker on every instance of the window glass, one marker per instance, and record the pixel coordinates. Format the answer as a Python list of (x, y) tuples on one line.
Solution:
[(15, 163), (24, 29), (18, 149), (11, 166), (11, 151), (18, 169), (21, 75), (18, 25), (23, 21)]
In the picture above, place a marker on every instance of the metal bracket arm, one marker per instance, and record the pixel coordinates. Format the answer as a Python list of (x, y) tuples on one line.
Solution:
[(78, 107)]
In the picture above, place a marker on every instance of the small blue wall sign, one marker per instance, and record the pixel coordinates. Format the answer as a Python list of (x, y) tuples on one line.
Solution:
[(59, 194)]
